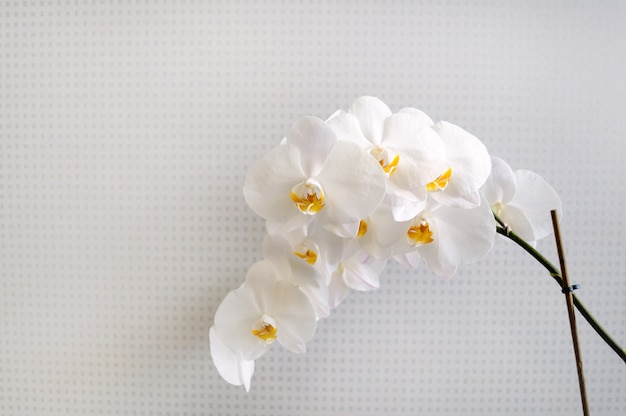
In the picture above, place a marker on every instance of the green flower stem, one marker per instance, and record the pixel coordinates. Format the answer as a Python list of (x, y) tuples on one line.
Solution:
[(556, 275)]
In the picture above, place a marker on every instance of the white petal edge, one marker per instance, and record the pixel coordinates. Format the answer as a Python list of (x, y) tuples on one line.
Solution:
[(371, 113), (230, 365), (536, 198), (314, 139), (501, 184), (347, 127), (268, 185), (423, 118)]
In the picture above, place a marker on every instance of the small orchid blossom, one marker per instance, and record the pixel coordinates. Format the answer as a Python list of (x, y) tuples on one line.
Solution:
[(264, 309), (383, 236), (522, 199), (407, 149), (315, 245), (295, 264), (313, 175), (360, 272), (447, 237), (230, 364)]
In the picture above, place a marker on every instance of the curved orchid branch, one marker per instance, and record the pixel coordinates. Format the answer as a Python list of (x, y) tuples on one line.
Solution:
[(504, 230)]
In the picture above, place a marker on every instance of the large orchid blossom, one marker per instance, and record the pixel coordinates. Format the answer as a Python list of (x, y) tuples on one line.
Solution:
[(313, 175), (408, 150), (264, 309), (344, 196), (447, 237)]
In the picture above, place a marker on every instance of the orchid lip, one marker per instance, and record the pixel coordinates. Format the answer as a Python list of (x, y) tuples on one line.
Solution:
[(362, 229), (308, 196), (441, 183), (419, 233), (265, 329), (307, 250), (383, 156)]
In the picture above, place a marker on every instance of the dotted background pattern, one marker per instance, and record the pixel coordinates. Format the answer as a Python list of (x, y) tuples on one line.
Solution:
[(126, 131)]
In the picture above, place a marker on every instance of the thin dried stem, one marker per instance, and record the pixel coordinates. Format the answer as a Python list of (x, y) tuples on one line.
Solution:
[(567, 291)]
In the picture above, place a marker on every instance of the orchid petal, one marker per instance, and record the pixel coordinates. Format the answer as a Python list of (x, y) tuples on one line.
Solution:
[(297, 271), (276, 250), (501, 184), (423, 118), (347, 127), (409, 210), (362, 273), (371, 113), (234, 320), (422, 152), (518, 222), (293, 223), (416, 169), (230, 365), (411, 259), (441, 268), (269, 183), (353, 182), (330, 245), (337, 290), (260, 279), (470, 163), (343, 230), (312, 284), (536, 198), (295, 317), (398, 195), (314, 140), (461, 236), (383, 234)]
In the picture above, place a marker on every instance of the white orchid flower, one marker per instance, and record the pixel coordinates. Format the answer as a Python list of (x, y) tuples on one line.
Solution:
[(469, 166), (522, 199), (313, 175), (295, 265), (315, 245), (231, 365), (264, 309), (360, 272), (383, 236), (407, 149), (447, 237)]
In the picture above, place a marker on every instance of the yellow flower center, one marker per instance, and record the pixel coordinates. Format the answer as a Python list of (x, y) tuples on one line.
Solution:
[(362, 229), (307, 250), (390, 167), (308, 256), (265, 330), (382, 155), (308, 197), (419, 234), (441, 182)]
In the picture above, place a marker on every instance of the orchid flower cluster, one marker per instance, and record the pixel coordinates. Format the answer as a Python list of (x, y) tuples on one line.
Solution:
[(344, 196)]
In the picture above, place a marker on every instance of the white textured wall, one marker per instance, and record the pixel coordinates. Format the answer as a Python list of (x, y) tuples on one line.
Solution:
[(127, 127)]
